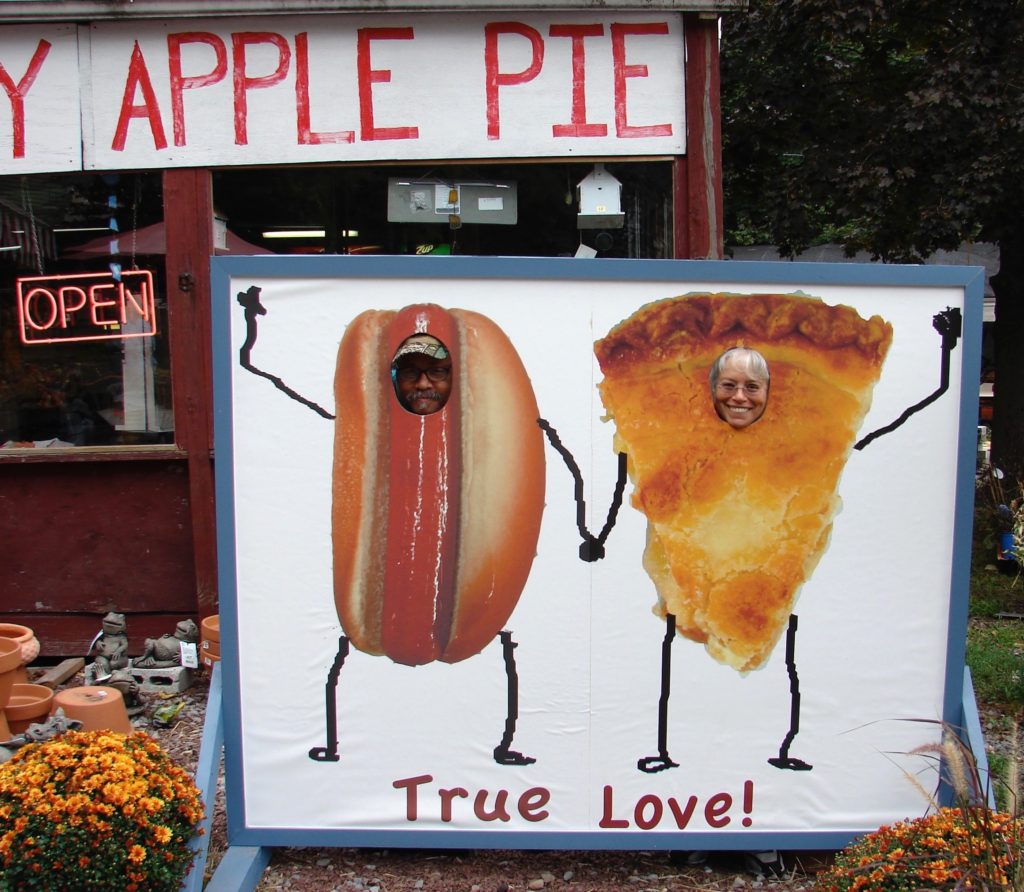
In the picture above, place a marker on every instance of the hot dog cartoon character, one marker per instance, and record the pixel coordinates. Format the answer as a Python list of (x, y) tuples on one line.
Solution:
[(438, 488), (435, 516)]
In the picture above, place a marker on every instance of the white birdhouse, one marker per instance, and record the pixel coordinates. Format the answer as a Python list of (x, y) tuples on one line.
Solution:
[(600, 197)]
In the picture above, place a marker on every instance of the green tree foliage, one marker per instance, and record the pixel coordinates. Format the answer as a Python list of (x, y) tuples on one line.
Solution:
[(891, 126)]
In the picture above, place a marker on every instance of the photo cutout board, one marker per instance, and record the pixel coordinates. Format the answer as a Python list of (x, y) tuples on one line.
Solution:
[(501, 567)]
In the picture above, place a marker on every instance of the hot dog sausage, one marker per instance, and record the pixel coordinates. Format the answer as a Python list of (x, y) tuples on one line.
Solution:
[(435, 518)]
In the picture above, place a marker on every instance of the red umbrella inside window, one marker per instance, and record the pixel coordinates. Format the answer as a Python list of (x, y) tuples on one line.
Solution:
[(153, 240)]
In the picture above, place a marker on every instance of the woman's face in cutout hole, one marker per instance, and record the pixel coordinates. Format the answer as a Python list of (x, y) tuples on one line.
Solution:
[(740, 388)]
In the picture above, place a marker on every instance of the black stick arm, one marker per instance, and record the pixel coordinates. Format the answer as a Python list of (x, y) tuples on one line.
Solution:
[(592, 547), (250, 302), (949, 324)]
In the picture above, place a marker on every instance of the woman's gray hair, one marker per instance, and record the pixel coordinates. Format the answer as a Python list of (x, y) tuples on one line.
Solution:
[(752, 362)]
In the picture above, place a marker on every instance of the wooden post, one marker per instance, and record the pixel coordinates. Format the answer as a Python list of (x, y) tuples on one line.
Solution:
[(188, 218), (697, 178)]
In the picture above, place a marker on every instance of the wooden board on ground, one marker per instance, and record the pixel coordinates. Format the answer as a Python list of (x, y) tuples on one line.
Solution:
[(51, 676)]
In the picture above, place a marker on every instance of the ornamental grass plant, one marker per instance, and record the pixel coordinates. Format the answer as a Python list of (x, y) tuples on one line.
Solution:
[(968, 845), (92, 811)]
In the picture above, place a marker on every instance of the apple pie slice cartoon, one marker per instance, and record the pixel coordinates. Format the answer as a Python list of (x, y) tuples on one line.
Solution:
[(738, 516)]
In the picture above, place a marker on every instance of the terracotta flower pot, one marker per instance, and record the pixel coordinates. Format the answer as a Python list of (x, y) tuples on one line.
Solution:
[(98, 708), (28, 703), (209, 641), (210, 629), (25, 637), (28, 643), (10, 659), (208, 659)]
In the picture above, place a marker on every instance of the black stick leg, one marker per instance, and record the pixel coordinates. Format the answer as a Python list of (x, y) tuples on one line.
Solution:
[(784, 760), (329, 753), (662, 761), (503, 755)]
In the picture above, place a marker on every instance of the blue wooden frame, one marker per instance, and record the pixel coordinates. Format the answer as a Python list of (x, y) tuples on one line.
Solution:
[(958, 707)]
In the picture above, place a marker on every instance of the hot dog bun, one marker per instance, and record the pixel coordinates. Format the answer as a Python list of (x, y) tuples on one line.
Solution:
[(435, 518)]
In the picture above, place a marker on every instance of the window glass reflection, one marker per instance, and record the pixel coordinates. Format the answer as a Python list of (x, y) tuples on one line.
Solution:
[(84, 357)]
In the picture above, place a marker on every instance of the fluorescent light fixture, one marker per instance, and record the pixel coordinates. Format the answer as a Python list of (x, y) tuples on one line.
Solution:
[(307, 233), (84, 229), (294, 233), (452, 183)]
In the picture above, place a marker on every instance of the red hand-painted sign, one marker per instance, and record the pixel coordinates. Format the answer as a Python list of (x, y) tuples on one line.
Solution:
[(86, 307), (289, 89)]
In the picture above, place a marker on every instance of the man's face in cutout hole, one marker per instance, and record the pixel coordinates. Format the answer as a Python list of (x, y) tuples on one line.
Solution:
[(422, 371), (739, 387)]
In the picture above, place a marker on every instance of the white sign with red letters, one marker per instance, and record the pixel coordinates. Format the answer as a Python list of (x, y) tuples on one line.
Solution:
[(341, 88), (40, 114)]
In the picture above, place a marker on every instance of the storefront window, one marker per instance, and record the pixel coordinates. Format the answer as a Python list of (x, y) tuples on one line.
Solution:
[(348, 209), (84, 357)]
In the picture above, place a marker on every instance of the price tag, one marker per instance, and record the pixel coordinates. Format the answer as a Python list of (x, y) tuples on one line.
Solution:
[(189, 654)]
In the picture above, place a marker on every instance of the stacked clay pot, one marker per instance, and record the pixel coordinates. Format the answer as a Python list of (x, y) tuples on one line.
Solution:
[(27, 642), (10, 660), (28, 704), (209, 641)]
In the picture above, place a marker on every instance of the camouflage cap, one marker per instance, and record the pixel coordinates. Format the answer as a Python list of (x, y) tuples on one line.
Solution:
[(424, 344)]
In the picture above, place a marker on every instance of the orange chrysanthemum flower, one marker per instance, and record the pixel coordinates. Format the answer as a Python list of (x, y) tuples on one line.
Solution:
[(115, 811), (971, 848)]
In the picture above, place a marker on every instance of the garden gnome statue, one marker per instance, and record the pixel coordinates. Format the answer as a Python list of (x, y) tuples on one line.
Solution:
[(111, 646), (165, 651)]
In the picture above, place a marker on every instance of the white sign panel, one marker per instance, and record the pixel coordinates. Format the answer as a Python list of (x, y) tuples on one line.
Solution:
[(580, 718), (388, 87), (40, 120)]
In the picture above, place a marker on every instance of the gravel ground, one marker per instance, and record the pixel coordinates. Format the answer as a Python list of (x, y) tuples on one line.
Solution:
[(501, 871), (374, 870)]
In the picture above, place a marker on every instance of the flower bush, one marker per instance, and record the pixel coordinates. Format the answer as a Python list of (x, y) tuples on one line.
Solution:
[(951, 849), (91, 811)]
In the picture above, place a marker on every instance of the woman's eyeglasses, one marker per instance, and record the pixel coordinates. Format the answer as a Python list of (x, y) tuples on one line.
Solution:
[(728, 388)]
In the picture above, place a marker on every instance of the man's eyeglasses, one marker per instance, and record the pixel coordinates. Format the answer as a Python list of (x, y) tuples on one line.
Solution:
[(435, 374)]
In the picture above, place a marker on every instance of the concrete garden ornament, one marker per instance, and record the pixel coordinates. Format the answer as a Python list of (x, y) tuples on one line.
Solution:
[(165, 651), (37, 732), (110, 646)]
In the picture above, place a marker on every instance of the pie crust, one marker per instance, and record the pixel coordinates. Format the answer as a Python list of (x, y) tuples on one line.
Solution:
[(737, 518)]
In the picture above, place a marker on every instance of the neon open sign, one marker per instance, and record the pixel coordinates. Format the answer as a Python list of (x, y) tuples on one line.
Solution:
[(86, 307)]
